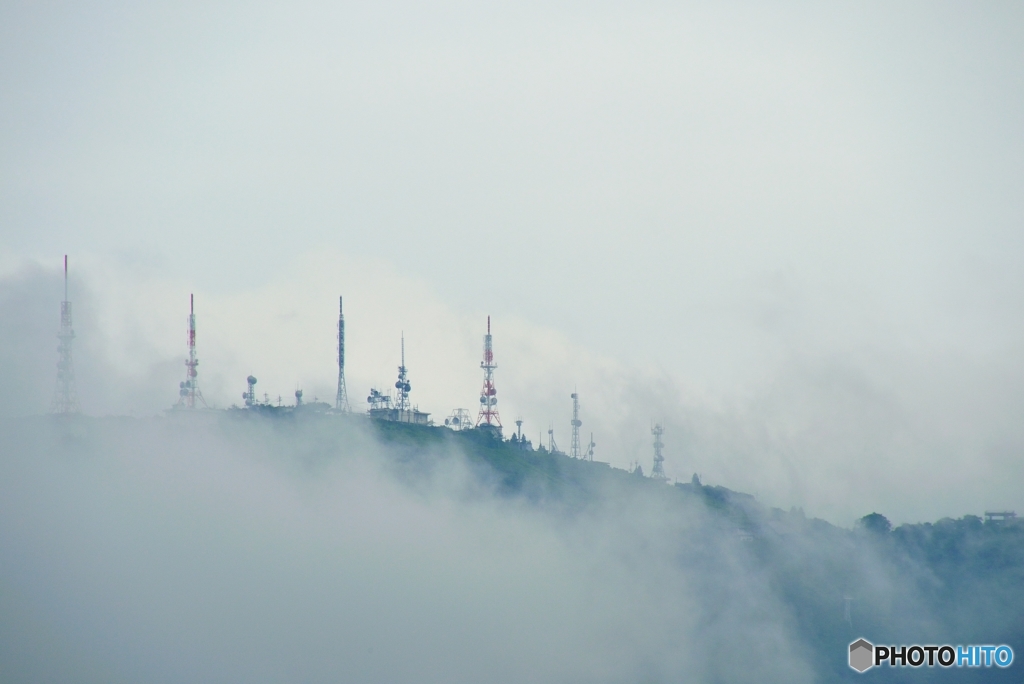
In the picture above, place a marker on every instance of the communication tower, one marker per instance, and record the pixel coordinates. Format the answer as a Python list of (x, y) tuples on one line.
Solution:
[(249, 395), (341, 401), (552, 447), (188, 390), (590, 448), (379, 401), (574, 447), (658, 470), (402, 385), (488, 417), (460, 419), (65, 396)]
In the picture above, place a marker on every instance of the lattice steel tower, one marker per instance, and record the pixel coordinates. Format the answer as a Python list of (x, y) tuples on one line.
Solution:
[(574, 447), (402, 385), (488, 417), (658, 470), (341, 401), (65, 396), (188, 390)]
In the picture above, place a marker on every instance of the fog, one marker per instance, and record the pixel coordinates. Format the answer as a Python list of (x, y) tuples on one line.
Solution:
[(789, 233), (839, 436), (183, 549)]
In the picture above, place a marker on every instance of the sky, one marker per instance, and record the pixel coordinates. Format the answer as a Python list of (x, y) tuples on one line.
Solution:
[(789, 233)]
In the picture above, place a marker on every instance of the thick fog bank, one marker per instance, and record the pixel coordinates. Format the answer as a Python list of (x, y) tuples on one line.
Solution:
[(171, 550), (237, 548)]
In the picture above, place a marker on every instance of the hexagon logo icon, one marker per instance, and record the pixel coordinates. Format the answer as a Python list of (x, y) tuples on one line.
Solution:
[(861, 655)]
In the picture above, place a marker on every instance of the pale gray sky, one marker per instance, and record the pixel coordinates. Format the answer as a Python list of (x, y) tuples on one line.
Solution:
[(791, 232)]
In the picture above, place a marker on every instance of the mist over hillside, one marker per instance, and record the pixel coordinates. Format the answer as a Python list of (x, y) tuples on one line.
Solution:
[(233, 547), (788, 234)]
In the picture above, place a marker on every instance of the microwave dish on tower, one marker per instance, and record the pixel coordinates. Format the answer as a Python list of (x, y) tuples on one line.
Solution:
[(188, 390), (488, 418), (402, 384)]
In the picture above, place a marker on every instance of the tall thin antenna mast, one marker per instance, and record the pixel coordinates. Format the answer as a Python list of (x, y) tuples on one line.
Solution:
[(65, 396), (658, 470), (403, 385), (188, 390), (574, 447), (488, 417), (341, 401)]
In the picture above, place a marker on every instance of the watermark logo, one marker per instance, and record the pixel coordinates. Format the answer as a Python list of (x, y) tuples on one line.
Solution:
[(865, 655), (862, 653)]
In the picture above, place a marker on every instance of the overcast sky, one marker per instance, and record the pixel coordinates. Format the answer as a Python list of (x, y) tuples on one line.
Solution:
[(792, 233)]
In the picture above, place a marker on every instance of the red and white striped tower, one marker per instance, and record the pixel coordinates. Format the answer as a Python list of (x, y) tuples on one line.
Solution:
[(189, 389), (488, 418)]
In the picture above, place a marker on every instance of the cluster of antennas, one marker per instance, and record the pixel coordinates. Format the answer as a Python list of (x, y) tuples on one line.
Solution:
[(378, 400), (460, 419), (380, 403)]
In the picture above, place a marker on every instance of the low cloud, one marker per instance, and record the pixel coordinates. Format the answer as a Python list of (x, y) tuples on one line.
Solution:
[(236, 550)]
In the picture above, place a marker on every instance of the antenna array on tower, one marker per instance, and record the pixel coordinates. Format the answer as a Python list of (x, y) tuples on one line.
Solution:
[(188, 389), (402, 385), (488, 417)]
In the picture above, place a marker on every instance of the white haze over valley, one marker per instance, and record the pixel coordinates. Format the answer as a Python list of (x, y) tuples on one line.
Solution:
[(175, 550), (792, 234), (789, 233)]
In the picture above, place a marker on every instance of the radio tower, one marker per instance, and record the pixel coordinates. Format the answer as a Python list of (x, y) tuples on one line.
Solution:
[(65, 397), (402, 385), (658, 470), (574, 447), (488, 418), (341, 401), (188, 391)]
